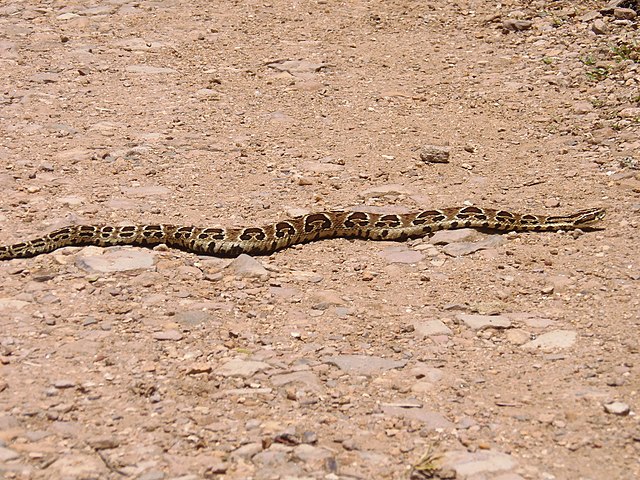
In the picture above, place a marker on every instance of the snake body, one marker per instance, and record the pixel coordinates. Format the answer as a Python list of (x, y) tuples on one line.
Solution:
[(230, 242)]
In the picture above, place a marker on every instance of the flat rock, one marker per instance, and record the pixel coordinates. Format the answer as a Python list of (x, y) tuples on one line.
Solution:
[(241, 368), (7, 454), (391, 189), (467, 248), (432, 327), (78, 466), (73, 155), (192, 318), (429, 419), (12, 304), (309, 453), (321, 167), (363, 364), (401, 254), (444, 237), (553, 340), (476, 464), (247, 267), (167, 335), (323, 299), (482, 322), (148, 69), (296, 66), (8, 422), (146, 191), (117, 260), (303, 378)]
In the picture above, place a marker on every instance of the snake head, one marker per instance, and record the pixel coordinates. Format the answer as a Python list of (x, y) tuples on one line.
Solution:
[(586, 218)]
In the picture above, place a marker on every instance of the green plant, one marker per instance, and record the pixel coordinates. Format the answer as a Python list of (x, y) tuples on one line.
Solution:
[(626, 51), (588, 60), (598, 73), (547, 60)]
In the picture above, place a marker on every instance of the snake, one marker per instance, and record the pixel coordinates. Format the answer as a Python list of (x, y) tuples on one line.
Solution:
[(267, 239)]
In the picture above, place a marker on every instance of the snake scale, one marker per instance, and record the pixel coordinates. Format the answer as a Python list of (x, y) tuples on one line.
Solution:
[(230, 242)]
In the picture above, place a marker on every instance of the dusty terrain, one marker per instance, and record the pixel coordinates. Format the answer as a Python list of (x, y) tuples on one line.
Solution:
[(516, 357)]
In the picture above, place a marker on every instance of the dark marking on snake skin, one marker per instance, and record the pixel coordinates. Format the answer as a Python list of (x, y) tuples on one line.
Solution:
[(316, 221), (284, 229), (388, 221), (252, 233), (471, 212), (356, 219), (215, 233), (505, 216), (428, 216)]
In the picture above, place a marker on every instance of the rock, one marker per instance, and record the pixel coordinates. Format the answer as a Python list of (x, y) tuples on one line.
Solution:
[(429, 419), (401, 254), (73, 156), (513, 25), (310, 454), (482, 322), (12, 304), (435, 154), (191, 318), (242, 368), (198, 368), (363, 364), (630, 112), (146, 191), (517, 336), (306, 379), (118, 259), (321, 167), (467, 248), (624, 13), (476, 464), (270, 459), (323, 299), (167, 335), (296, 66), (444, 237), (6, 454), (63, 384), (247, 451), (582, 108), (552, 340), (78, 466), (599, 27), (149, 70), (609, 7), (617, 408), (245, 266), (386, 190), (103, 442), (432, 327)]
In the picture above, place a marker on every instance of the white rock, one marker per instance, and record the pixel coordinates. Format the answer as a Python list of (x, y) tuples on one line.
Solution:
[(482, 322), (432, 327), (117, 260), (617, 408), (241, 368), (247, 267), (552, 340)]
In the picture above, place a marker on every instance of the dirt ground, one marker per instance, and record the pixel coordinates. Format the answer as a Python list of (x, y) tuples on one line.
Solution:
[(468, 355)]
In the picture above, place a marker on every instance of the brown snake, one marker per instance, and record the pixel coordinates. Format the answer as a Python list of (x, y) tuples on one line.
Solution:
[(230, 242)]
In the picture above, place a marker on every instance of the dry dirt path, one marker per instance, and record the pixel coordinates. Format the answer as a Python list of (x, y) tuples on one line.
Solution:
[(470, 356)]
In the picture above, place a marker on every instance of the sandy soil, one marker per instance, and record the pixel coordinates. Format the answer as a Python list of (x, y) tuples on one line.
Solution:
[(474, 356)]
